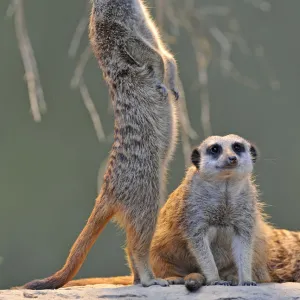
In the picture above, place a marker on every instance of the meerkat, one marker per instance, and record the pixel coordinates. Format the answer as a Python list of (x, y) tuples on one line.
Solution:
[(214, 219), (208, 232), (138, 70), (230, 195)]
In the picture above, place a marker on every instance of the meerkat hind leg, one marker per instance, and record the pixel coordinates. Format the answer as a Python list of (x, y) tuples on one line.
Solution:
[(138, 243), (136, 276)]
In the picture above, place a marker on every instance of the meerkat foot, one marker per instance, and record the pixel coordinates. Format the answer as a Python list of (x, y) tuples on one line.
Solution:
[(155, 281), (175, 93), (175, 280), (232, 279), (219, 282), (162, 89), (249, 283), (136, 281)]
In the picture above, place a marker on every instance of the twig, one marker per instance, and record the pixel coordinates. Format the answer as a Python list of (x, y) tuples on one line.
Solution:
[(203, 59), (226, 64), (263, 62), (81, 27), (84, 58), (183, 113), (90, 106), (35, 91)]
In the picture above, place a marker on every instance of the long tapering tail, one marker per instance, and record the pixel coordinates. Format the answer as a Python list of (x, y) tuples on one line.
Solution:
[(122, 280), (99, 217)]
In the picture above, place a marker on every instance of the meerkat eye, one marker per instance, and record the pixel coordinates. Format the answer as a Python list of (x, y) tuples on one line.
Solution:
[(238, 148), (214, 149)]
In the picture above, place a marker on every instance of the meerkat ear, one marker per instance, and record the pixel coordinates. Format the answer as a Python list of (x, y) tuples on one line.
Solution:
[(195, 157), (253, 152)]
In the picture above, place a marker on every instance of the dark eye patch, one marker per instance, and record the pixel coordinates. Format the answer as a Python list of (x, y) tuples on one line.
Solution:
[(214, 150), (238, 148)]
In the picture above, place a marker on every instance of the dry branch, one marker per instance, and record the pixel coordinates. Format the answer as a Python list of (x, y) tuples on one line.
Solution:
[(90, 106), (35, 91)]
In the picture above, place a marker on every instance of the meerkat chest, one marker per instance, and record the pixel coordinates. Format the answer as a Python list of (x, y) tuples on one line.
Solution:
[(223, 210)]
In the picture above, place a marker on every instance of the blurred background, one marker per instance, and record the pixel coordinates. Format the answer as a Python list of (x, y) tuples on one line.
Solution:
[(239, 63)]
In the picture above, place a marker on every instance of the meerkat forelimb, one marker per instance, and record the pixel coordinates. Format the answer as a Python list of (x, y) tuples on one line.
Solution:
[(139, 71)]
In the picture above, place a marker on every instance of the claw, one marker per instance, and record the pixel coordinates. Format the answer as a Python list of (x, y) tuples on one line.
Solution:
[(220, 282), (156, 281), (249, 283), (175, 93), (162, 89)]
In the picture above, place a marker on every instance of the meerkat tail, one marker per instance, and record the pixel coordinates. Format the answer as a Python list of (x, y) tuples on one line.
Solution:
[(122, 280), (194, 281), (284, 249), (99, 217)]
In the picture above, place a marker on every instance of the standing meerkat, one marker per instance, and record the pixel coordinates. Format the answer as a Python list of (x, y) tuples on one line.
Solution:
[(139, 71)]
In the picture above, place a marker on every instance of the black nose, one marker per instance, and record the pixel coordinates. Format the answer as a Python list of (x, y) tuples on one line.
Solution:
[(232, 160)]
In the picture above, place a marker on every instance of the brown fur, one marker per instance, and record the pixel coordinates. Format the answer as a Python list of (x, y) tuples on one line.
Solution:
[(284, 255)]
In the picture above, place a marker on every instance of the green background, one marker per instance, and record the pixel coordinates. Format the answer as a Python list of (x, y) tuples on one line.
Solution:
[(48, 170)]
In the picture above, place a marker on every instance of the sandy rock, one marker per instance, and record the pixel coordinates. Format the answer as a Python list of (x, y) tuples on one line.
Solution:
[(286, 291)]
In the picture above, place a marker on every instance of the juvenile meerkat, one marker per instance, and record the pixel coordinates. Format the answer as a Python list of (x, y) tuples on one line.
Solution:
[(138, 70)]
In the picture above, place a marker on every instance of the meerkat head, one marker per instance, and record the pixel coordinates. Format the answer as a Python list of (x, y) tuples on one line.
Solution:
[(225, 156)]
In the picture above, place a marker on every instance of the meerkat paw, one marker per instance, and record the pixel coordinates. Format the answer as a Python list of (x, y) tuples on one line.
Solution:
[(248, 283), (175, 93), (136, 281), (175, 280), (233, 279), (219, 282), (155, 281), (162, 89)]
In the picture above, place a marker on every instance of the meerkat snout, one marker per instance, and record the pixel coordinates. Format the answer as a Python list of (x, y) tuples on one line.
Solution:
[(232, 160)]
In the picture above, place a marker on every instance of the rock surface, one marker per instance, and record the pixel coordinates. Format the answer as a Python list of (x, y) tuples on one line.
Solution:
[(288, 291)]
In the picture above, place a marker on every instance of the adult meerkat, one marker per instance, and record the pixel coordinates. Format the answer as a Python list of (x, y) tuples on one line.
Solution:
[(214, 219), (276, 252), (214, 210), (137, 68)]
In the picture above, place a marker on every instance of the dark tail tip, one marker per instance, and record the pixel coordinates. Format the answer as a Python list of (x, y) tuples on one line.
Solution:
[(193, 285), (43, 284)]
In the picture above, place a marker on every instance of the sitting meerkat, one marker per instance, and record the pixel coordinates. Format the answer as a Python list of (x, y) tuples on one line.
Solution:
[(218, 194), (212, 229)]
